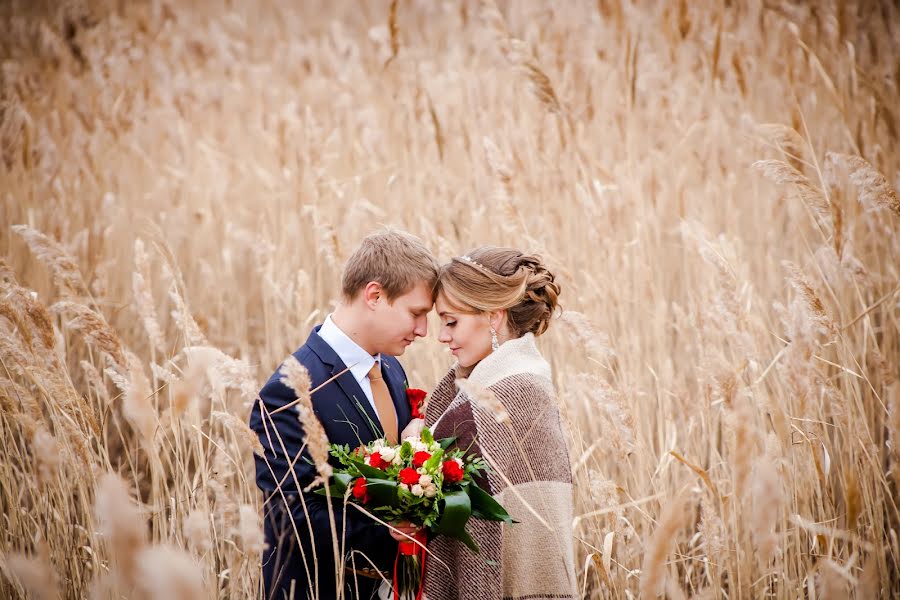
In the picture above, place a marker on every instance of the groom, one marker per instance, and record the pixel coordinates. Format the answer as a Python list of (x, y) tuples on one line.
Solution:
[(386, 294)]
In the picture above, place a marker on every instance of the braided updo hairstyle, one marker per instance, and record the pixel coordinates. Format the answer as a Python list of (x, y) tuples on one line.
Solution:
[(491, 278)]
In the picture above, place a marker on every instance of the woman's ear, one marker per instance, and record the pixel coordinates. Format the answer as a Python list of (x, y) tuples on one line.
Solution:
[(497, 319)]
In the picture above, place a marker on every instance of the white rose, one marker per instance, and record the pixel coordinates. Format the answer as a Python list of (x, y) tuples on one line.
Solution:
[(388, 453), (396, 460), (425, 480), (404, 486), (459, 462), (430, 490), (417, 490)]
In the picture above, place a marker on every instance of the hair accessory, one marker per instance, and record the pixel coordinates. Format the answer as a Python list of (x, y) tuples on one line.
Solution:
[(471, 261)]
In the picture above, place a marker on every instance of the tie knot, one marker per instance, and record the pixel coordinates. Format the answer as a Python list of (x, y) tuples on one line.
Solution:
[(375, 371)]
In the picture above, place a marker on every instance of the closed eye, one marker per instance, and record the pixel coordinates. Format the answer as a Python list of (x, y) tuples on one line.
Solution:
[(449, 323)]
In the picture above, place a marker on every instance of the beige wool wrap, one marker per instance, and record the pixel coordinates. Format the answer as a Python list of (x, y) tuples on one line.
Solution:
[(530, 476)]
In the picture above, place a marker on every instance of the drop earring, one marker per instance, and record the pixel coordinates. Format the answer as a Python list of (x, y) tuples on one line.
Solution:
[(495, 344)]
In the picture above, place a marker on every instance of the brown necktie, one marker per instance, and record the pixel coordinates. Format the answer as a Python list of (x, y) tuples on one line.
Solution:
[(383, 403)]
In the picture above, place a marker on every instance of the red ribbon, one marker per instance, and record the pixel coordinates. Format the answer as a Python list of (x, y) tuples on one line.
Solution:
[(410, 548)]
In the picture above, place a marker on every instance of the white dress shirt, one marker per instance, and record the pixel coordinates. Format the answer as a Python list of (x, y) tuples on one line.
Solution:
[(352, 355)]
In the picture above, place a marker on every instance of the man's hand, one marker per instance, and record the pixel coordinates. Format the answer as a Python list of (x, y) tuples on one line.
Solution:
[(414, 429), (403, 527)]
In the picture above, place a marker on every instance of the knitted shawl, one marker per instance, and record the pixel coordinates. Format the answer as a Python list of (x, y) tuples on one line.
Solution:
[(530, 476)]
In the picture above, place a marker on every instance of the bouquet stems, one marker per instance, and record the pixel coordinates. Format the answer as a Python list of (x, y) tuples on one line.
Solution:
[(409, 568)]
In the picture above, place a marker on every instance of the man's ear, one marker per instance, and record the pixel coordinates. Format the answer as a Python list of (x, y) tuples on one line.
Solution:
[(373, 293)]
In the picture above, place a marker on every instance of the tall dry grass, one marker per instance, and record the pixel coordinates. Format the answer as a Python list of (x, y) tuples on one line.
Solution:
[(713, 183)]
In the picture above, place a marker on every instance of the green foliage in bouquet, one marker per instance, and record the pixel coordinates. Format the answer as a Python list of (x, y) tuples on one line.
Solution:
[(422, 481)]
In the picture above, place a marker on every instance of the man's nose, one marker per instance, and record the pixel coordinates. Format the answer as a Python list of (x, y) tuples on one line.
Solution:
[(421, 327)]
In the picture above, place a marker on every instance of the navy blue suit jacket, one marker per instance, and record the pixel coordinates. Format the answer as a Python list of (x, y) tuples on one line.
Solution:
[(348, 418)]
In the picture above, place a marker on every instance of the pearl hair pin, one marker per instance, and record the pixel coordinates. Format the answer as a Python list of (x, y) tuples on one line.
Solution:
[(469, 260)]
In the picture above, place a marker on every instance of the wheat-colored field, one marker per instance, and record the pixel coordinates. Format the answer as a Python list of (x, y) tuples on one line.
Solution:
[(712, 182)]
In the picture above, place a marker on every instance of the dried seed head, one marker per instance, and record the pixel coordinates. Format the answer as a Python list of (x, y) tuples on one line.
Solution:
[(93, 327), (874, 189), (143, 297), (246, 437), (250, 532), (660, 545), (47, 455), (197, 529), (64, 268), (169, 573), (35, 574), (121, 524)]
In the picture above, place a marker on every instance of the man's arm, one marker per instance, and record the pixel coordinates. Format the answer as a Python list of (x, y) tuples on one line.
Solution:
[(282, 466), (284, 469)]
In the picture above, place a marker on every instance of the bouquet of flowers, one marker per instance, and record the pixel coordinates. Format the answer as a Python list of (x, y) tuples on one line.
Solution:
[(418, 481)]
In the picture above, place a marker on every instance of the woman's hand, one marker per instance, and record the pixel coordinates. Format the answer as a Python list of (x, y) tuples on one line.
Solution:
[(403, 527), (414, 429)]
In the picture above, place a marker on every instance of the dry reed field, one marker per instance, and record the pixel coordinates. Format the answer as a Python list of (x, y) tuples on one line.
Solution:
[(713, 183)]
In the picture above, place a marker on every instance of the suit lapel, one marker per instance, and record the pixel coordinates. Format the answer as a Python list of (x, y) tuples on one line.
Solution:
[(352, 393)]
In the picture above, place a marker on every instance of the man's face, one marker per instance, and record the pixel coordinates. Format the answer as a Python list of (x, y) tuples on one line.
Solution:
[(397, 324)]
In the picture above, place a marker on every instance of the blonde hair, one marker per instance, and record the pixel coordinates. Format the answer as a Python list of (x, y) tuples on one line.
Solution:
[(491, 278), (395, 259)]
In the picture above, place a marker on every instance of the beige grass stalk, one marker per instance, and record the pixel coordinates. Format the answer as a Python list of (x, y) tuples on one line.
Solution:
[(296, 377), (143, 297), (257, 175), (659, 545)]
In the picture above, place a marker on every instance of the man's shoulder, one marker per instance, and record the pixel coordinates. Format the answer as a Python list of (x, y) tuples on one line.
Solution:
[(305, 354), (307, 357)]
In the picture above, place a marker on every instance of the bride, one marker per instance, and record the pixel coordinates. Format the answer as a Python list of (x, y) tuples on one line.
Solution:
[(493, 302)]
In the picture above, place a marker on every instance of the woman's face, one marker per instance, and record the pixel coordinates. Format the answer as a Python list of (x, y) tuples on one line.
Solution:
[(468, 335)]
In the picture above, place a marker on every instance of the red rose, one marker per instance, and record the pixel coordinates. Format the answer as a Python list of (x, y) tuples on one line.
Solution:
[(416, 398), (453, 473), (420, 457), (409, 476), (376, 461), (359, 490)]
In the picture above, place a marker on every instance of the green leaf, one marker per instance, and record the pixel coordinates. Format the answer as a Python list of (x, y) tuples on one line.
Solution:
[(406, 451), (368, 471), (337, 489), (485, 507), (435, 460), (427, 437), (456, 513), (447, 442), (382, 492), (466, 539)]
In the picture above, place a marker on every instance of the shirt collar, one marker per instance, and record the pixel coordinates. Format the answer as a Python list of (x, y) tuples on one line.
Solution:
[(350, 353)]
